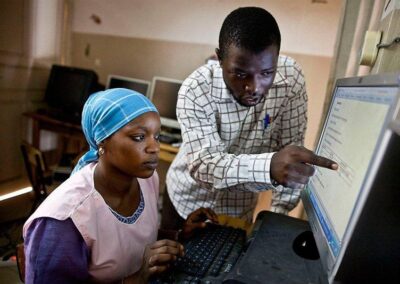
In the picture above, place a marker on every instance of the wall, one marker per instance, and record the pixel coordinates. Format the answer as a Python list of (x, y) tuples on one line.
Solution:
[(143, 39), (21, 83), (306, 27)]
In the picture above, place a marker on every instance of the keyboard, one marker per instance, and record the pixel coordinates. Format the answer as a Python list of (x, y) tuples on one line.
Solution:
[(209, 256)]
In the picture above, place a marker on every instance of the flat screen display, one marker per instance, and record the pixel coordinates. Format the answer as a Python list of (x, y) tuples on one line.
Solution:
[(352, 135), (140, 86), (164, 95)]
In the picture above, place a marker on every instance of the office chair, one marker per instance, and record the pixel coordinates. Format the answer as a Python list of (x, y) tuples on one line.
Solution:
[(39, 175)]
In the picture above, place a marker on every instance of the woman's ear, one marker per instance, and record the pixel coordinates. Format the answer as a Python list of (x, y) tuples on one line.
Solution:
[(101, 144), (100, 148)]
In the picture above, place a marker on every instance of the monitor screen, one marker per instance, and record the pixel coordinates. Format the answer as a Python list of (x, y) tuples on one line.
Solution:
[(138, 85), (164, 95), (354, 128), (68, 88)]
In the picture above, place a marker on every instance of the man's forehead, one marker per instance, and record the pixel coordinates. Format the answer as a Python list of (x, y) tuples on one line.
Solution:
[(244, 57)]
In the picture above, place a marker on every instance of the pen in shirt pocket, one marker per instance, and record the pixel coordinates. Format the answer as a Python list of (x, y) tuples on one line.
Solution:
[(267, 121)]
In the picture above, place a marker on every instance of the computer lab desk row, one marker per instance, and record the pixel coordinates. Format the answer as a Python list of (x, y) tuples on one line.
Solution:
[(74, 132)]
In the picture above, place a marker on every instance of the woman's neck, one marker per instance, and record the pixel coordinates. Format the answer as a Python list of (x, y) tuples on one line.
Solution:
[(120, 192)]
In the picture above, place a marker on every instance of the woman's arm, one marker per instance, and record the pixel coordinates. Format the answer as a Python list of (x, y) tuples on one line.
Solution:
[(55, 253)]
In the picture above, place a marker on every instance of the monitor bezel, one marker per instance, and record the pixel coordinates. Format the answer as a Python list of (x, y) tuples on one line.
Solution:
[(165, 121), (328, 260), (129, 79)]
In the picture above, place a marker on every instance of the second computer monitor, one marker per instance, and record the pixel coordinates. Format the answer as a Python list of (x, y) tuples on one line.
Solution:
[(138, 85), (164, 95), (356, 135)]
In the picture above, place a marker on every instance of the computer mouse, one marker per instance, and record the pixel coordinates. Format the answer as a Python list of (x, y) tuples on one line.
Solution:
[(304, 246)]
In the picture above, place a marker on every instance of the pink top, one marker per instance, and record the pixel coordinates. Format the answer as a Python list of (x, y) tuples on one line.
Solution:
[(116, 248)]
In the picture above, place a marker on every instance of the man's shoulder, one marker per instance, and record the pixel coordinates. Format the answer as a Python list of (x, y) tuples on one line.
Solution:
[(288, 70), (285, 61), (202, 79)]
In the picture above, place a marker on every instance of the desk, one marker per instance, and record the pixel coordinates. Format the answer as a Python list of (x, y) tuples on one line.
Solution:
[(44, 122), (74, 131), (167, 152)]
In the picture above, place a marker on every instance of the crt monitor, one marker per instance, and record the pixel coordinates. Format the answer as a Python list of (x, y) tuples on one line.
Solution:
[(164, 95), (138, 85), (356, 135), (69, 87)]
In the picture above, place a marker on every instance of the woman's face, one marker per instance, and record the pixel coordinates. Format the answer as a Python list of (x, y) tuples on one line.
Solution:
[(133, 150)]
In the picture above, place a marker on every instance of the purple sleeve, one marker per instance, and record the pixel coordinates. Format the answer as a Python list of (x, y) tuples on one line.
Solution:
[(55, 252)]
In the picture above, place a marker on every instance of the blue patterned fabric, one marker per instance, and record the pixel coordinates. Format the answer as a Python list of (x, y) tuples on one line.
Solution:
[(105, 113), (131, 219)]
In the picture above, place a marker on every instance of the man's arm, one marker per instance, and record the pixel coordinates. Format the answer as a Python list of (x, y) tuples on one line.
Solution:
[(293, 129), (208, 162), (291, 166)]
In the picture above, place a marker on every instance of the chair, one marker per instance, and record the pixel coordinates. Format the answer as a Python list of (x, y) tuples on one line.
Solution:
[(39, 175), (20, 253)]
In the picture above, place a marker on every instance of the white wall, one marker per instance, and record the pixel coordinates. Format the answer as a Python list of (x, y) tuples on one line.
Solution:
[(46, 28), (306, 27)]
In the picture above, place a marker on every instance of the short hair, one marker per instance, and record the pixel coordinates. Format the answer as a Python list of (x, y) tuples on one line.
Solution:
[(252, 28)]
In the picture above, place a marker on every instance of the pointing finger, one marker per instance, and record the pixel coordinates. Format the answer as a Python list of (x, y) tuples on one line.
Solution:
[(324, 162), (311, 158)]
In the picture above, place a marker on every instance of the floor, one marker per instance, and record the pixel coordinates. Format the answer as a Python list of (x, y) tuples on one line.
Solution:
[(13, 213)]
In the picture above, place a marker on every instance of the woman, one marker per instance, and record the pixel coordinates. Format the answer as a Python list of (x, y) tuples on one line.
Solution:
[(101, 224)]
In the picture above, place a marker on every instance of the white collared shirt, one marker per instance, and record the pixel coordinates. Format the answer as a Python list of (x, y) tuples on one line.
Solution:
[(224, 160)]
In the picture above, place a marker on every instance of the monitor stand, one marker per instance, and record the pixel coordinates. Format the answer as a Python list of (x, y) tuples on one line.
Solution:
[(280, 251)]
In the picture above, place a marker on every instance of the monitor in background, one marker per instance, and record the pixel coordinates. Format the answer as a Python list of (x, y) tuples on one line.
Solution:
[(164, 95), (357, 134), (68, 89), (138, 85)]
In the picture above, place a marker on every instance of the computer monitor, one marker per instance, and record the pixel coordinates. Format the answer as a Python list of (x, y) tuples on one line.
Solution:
[(361, 133), (69, 87), (138, 85), (164, 95)]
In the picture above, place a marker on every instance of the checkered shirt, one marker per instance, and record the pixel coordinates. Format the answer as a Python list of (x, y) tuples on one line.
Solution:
[(224, 160)]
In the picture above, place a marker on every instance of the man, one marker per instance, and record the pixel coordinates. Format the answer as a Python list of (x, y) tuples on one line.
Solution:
[(243, 122)]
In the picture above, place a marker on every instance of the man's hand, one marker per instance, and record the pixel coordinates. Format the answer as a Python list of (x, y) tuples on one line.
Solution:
[(196, 220), (293, 165)]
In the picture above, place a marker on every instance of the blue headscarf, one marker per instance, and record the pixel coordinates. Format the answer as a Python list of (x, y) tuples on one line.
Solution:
[(104, 113)]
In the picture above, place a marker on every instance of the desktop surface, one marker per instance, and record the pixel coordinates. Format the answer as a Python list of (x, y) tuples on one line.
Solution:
[(268, 255), (272, 253)]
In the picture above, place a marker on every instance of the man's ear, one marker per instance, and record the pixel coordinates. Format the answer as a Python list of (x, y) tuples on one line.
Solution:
[(218, 53)]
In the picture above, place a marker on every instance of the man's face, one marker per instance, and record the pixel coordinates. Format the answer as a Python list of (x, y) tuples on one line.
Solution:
[(247, 75)]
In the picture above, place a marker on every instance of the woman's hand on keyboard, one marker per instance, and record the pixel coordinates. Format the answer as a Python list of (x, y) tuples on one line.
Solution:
[(197, 220), (159, 256)]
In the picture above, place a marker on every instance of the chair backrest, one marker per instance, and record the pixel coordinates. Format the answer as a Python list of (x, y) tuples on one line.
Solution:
[(36, 168), (21, 261)]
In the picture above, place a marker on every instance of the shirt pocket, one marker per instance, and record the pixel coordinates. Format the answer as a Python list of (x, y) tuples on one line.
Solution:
[(269, 134)]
